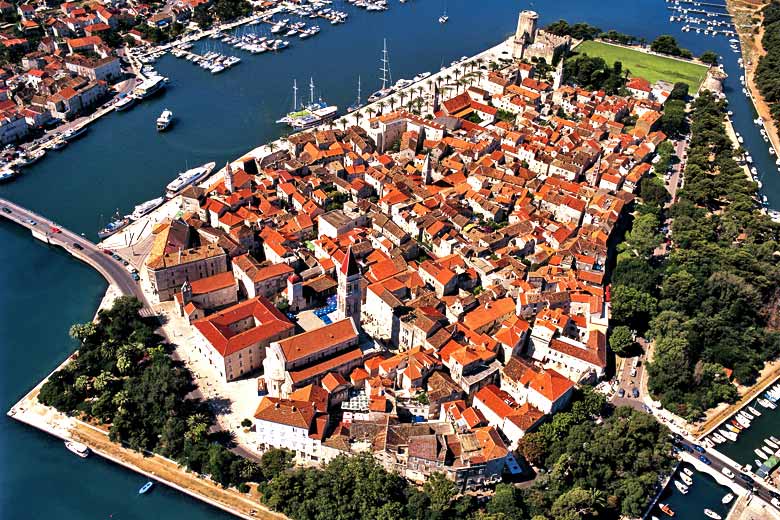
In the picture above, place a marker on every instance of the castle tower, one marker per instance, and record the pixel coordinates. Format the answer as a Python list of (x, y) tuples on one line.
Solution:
[(349, 294), (228, 178), (526, 32)]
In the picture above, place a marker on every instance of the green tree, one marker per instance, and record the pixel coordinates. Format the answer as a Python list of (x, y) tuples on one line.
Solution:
[(621, 341), (441, 491)]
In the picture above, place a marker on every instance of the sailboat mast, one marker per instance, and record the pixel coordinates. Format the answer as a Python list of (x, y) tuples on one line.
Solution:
[(358, 98), (385, 69), (295, 94), (311, 90)]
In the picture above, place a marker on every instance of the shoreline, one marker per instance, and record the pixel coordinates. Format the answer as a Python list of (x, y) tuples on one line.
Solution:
[(752, 42), (32, 413)]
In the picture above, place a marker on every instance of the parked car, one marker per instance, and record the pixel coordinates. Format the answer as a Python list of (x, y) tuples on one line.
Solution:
[(633, 372), (727, 472), (705, 460), (7, 210), (78, 246), (698, 448), (55, 229), (108, 252), (621, 392), (635, 392)]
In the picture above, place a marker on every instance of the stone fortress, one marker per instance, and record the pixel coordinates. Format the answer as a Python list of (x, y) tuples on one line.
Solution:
[(532, 42)]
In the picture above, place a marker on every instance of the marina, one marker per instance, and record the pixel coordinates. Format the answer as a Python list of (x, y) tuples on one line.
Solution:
[(147, 162)]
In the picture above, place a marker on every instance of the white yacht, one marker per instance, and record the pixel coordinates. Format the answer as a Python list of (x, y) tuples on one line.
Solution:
[(187, 178), (146, 207), (164, 121), (77, 448)]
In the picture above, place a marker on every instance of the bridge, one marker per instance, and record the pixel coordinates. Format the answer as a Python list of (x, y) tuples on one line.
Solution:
[(51, 233)]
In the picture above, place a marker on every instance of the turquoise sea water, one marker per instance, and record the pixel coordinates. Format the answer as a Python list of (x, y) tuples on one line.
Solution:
[(123, 161)]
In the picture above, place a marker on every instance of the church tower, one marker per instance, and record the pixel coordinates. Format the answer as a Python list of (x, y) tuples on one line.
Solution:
[(349, 294), (228, 178), (426, 170)]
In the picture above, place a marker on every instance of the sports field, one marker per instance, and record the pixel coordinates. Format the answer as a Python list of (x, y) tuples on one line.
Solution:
[(647, 66)]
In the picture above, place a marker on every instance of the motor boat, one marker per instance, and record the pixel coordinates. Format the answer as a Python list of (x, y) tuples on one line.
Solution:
[(754, 411), (727, 499), (761, 454), (79, 449), (146, 487), (688, 471), (687, 480), (668, 511), (712, 514), (682, 488)]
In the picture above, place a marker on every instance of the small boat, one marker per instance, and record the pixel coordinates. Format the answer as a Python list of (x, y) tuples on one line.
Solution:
[(668, 511), (146, 487), (731, 428), (766, 404), (682, 488), (75, 133), (79, 449), (769, 451), (443, 18), (718, 438), (687, 480), (728, 434), (164, 121), (746, 415), (28, 159), (712, 514), (761, 454), (59, 144), (7, 174), (737, 424), (774, 439), (115, 225), (754, 411), (727, 499), (771, 443), (688, 471), (124, 103), (758, 463)]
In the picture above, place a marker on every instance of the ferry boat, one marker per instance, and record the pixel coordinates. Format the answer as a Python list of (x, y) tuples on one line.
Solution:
[(7, 174), (712, 514), (115, 225), (727, 499), (75, 133), (164, 121), (668, 511), (77, 448), (146, 207), (150, 86), (187, 178), (124, 103), (682, 488), (316, 112), (146, 487)]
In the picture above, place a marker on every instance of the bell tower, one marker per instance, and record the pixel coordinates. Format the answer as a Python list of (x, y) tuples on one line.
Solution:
[(349, 294)]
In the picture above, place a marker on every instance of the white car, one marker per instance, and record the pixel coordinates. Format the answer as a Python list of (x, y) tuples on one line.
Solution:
[(776, 502), (633, 372), (727, 472)]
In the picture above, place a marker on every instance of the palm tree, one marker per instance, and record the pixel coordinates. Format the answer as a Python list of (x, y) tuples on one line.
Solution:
[(358, 115), (402, 95), (382, 106)]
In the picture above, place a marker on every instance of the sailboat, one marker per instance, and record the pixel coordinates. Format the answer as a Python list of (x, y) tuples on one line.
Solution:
[(357, 104), (387, 78), (443, 18), (314, 113)]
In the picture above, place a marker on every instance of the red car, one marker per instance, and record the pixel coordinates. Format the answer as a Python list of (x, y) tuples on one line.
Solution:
[(55, 229), (108, 252)]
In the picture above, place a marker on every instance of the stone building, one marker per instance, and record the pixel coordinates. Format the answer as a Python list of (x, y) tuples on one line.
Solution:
[(532, 42)]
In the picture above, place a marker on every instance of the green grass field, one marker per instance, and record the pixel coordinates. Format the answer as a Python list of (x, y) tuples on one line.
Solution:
[(647, 66)]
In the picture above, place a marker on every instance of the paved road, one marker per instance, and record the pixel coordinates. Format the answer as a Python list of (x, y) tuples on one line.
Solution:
[(717, 465), (113, 271), (680, 150)]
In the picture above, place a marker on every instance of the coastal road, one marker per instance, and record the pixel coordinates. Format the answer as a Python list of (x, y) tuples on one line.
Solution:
[(112, 270), (680, 150)]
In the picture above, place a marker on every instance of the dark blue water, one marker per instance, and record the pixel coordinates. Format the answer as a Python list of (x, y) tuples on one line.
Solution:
[(123, 161)]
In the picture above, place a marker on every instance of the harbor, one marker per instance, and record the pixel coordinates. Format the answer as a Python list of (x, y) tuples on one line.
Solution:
[(106, 177)]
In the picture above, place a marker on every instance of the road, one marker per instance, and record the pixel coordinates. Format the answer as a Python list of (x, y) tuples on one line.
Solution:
[(680, 150), (112, 270)]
